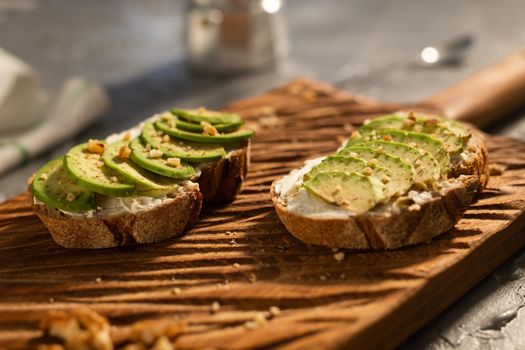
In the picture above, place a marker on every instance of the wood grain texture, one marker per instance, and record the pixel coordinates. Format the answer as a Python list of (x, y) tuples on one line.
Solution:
[(241, 256)]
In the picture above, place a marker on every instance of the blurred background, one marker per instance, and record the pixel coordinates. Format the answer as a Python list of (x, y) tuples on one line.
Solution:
[(148, 55)]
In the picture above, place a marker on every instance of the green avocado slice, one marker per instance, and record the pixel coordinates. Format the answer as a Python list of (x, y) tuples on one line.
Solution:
[(146, 181), (404, 173), (140, 155), (89, 171), (54, 188), (191, 152), (205, 115), (452, 135), (352, 191), (426, 166), (347, 164), (419, 140), (236, 136), (198, 128)]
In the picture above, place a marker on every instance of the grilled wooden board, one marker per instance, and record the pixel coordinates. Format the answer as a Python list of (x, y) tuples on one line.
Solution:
[(241, 256)]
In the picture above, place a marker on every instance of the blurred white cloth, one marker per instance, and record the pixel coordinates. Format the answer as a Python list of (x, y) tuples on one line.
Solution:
[(77, 104)]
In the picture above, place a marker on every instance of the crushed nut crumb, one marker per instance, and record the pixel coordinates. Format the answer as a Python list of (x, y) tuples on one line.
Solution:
[(176, 291), (274, 311), (309, 95), (215, 307), (43, 177), (385, 179), (367, 171), (414, 207), (208, 129), (366, 121), (339, 256), (387, 137), (95, 146), (98, 280), (174, 162), (322, 278), (155, 153), (166, 138), (236, 265), (126, 136), (124, 152), (372, 163)]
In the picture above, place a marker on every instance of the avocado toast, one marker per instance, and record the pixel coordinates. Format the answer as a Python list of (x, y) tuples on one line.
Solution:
[(145, 184), (399, 180)]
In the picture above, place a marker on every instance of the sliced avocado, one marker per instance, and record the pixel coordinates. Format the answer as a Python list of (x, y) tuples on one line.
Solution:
[(404, 173), (236, 136), (192, 152), (140, 155), (198, 128), (205, 115), (347, 164), (89, 170), (445, 131), (146, 181), (352, 191), (426, 166), (54, 188), (419, 140)]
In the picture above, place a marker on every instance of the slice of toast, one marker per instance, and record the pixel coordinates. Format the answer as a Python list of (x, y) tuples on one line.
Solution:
[(138, 220), (414, 217)]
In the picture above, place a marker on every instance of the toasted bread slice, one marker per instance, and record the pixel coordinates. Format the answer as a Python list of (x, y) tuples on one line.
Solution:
[(412, 218)]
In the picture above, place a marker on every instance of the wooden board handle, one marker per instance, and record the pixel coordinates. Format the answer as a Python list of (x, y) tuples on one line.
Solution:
[(487, 94)]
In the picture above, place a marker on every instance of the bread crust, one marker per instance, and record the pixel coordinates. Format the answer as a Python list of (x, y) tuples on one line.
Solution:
[(219, 182), (401, 228)]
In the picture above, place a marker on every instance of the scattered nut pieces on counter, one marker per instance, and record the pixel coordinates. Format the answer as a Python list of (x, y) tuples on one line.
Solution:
[(84, 329)]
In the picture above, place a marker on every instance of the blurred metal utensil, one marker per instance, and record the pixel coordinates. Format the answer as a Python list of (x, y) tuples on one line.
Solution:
[(225, 37)]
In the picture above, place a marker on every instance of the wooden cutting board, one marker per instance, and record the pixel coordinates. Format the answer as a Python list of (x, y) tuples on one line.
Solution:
[(241, 256)]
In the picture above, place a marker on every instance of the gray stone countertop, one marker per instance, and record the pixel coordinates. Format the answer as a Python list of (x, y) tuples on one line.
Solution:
[(135, 48)]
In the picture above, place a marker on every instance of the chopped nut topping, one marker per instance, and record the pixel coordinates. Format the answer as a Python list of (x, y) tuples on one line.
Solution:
[(236, 265), (367, 171), (408, 124), (422, 152), (124, 152), (269, 120), (380, 149), (387, 137), (95, 146), (431, 122), (355, 135), (166, 138), (366, 121), (71, 197), (98, 280), (174, 162), (373, 162), (339, 256), (148, 147), (113, 179), (201, 110), (411, 116), (353, 154), (294, 89), (176, 291), (215, 307), (322, 278), (385, 179), (147, 332), (348, 127), (209, 130), (417, 163), (155, 153), (260, 319), (43, 177), (413, 144), (126, 136)]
